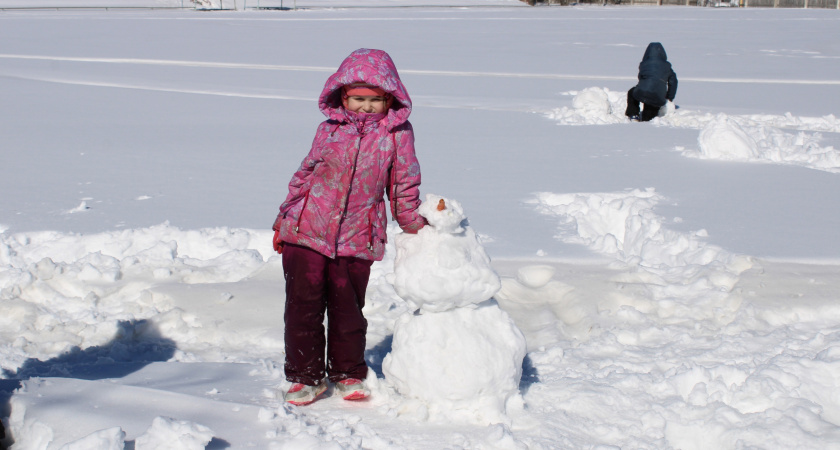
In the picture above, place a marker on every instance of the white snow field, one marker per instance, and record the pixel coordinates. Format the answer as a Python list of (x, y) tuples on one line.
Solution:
[(677, 282)]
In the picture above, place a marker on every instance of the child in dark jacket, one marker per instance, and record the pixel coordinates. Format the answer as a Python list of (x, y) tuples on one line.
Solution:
[(657, 84), (332, 225)]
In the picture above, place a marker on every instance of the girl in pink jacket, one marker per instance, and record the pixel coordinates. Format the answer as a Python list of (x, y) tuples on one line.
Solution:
[(331, 227)]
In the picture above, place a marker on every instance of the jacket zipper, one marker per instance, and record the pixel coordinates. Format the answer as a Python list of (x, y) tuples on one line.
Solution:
[(349, 187), (305, 200), (394, 178), (371, 214), (393, 192)]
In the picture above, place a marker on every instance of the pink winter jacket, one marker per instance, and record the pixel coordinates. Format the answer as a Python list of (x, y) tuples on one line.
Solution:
[(336, 202)]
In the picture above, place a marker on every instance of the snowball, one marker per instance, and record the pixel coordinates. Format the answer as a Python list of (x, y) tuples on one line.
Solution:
[(535, 276), (170, 434), (724, 139), (443, 266), (592, 106), (667, 109), (462, 364), (592, 101), (108, 439)]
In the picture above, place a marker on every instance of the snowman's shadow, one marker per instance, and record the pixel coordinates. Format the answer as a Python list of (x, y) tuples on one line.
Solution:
[(376, 355), (530, 375)]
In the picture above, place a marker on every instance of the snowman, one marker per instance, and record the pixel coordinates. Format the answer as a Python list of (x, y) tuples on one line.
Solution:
[(458, 355)]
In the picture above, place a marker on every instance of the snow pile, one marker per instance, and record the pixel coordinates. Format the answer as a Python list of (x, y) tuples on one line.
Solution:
[(171, 434), (108, 439), (592, 106), (61, 292), (547, 311), (164, 434), (32, 434), (610, 350), (444, 265), (724, 395), (681, 326), (683, 118), (688, 279), (462, 357), (725, 138)]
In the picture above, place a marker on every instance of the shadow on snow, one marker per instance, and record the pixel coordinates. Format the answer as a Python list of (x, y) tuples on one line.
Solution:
[(136, 344)]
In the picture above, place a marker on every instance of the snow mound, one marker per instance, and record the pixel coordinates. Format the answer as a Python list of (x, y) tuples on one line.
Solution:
[(592, 102), (535, 277), (684, 118), (444, 265), (687, 278), (62, 293), (547, 310), (108, 439), (592, 106), (30, 434), (463, 364), (170, 434), (726, 138)]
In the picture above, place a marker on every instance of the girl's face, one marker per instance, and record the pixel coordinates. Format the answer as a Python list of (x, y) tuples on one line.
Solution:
[(370, 104)]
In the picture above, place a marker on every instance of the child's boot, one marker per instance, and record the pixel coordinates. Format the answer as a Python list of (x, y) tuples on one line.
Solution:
[(302, 394), (352, 389)]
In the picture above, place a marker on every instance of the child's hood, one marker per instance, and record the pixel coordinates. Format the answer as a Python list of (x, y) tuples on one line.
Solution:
[(369, 66), (655, 50)]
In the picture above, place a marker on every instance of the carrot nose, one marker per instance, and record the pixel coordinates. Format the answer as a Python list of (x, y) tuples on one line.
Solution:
[(441, 205)]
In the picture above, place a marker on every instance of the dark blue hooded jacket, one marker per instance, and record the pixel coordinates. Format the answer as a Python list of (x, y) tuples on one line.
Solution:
[(657, 81)]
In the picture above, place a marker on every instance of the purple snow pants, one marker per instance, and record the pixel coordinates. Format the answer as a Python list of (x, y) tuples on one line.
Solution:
[(316, 284)]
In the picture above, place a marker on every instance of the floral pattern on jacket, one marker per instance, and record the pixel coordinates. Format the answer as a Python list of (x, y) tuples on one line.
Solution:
[(336, 202)]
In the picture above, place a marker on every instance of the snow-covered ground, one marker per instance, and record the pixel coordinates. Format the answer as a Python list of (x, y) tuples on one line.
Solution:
[(677, 282)]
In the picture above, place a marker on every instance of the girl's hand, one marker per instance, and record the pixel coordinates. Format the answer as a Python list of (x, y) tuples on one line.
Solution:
[(415, 230), (278, 244)]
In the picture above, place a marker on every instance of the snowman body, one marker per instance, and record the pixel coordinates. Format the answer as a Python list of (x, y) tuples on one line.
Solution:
[(460, 356)]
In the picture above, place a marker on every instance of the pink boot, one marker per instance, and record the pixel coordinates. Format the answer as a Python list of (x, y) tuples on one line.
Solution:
[(352, 389)]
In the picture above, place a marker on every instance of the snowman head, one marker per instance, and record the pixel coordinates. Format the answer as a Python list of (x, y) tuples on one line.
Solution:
[(443, 214)]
